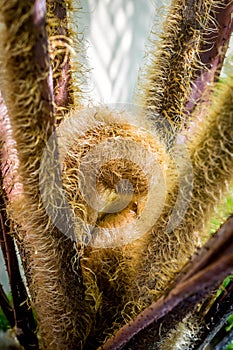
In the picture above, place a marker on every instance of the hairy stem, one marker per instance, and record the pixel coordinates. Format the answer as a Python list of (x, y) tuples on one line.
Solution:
[(64, 49), (212, 54), (211, 156), (178, 61), (24, 322), (57, 290), (59, 37), (157, 320)]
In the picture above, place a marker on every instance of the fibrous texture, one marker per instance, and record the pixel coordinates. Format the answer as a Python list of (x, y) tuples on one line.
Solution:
[(156, 258), (56, 282), (178, 60), (211, 154), (108, 169), (186, 296), (114, 172), (112, 204), (132, 277), (64, 47)]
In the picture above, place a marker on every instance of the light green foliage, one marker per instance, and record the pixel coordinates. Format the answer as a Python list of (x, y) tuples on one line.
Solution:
[(230, 347), (4, 325), (223, 211), (230, 323)]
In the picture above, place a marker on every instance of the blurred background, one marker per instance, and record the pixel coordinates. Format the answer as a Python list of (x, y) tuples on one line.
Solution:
[(115, 34)]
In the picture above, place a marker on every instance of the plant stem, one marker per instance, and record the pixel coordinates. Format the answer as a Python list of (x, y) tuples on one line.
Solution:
[(185, 295), (21, 312)]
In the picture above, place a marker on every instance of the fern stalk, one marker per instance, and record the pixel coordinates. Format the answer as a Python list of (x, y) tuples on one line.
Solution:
[(56, 284), (176, 60)]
